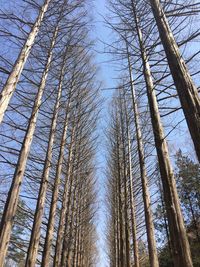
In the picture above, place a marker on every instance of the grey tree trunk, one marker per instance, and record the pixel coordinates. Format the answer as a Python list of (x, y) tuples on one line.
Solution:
[(68, 183), (115, 260), (14, 76), (118, 229), (121, 219), (187, 91), (165, 219), (67, 242), (35, 234), (132, 201), (124, 176), (146, 196), (64, 258), (50, 228), (77, 223), (13, 195)]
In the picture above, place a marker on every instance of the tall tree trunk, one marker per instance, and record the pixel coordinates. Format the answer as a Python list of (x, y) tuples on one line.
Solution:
[(118, 229), (82, 253), (146, 196), (180, 245), (187, 91), (14, 75), (13, 195), (52, 213), (65, 245), (77, 224), (35, 234), (125, 175), (131, 193), (79, 238), (80, 243), (121, 221), (165, 219), (65, 200), (115, 237), (75, 247)]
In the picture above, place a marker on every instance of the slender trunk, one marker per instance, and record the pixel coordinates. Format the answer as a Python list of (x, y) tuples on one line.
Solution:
[(127, 234), (132, 201), (75, 248), (81, 244), (65, 199), (14, 75), (146, 196), (114, 257), (180, 245), (77, 223), (65, 246), (79, 241), (13, 195), (121, 223), (165, 220), (82, 252), (52, 213), (35, 234), (187, 91), (118, 230)]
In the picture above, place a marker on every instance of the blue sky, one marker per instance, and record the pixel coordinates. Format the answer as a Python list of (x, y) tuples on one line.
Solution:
[(106, 73)]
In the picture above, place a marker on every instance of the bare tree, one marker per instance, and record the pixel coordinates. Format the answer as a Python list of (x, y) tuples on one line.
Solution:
[(12, 200), (146, 196), (14, 75), (187, 91)]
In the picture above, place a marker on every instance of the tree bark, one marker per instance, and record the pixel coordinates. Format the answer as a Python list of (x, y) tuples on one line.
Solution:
[(65, 200), (121, 221), (35, 234), (52, 214), (125, 175), (131, 193), (118, 228), (77, 223), (13, 195), (81, 244), (146, 196), (187, 91), (115, 224), (14, 76), (180, 245), (66, 246), (165, 220)]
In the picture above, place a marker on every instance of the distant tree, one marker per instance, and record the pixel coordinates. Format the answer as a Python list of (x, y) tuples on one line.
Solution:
[(17, 248), (188, 177), (187, 174), (165, 258)]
